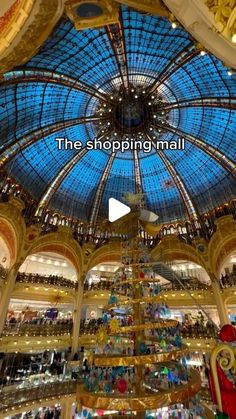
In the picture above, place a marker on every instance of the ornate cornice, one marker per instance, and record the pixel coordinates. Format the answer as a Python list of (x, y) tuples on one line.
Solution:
[(224, 16), (37, 32)]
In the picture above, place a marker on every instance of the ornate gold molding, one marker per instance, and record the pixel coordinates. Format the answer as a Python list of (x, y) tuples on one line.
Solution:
[(37, 32), (109, 15), (224, 15), (155, 7)]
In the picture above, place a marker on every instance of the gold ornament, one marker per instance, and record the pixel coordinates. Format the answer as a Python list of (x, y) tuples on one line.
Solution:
[(114, 325), (90, 358), (102, 335)]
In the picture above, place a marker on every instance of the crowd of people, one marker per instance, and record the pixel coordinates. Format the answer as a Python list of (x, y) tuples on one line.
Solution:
[(198, 327), (90, 327), (228, 279), (47, 322), (36, 278)]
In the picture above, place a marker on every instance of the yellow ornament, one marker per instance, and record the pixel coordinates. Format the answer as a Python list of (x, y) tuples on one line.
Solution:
[(102, 335), (114, 325), (90, 358)]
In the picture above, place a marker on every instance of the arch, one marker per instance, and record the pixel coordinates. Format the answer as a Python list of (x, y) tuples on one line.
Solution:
[(171, 248), (7, 235), (107, 253), (12, 227), (222, 243), (62, 243)]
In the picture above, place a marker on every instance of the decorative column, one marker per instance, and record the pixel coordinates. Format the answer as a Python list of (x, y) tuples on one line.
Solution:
[(66, 411), (220, 304), (7, 290), (77, 315)]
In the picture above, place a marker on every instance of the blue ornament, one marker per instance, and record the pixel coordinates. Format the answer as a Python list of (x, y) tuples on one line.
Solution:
[(108, 388), (143, 348)]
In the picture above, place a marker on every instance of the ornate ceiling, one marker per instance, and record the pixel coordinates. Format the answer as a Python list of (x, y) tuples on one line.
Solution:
[(82, 85)]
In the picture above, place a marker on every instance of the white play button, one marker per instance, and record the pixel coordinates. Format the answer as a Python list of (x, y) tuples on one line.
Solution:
[(117, 209)]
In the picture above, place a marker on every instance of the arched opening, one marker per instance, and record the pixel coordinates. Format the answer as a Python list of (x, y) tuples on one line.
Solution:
[(42, 301)]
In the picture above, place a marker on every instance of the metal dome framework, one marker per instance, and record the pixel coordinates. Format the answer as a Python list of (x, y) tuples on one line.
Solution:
[(70, 90)]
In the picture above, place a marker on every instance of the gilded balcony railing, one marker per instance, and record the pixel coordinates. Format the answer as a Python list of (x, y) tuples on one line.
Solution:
[(13, 397)]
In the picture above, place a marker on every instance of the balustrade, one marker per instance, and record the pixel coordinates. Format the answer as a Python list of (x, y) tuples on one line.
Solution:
[(10, 398), (24, 329)]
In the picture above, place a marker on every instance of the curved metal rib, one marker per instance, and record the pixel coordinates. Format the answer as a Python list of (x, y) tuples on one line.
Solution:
[(57, 181), (100, 191), (178, 61), (137, 175), (207, 102), (213, 152), (8, 152), (46, 76), (179, 183)]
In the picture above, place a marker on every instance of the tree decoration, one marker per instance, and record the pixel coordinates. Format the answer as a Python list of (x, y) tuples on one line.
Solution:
[(122, 385), (114, 325), (102, 335)]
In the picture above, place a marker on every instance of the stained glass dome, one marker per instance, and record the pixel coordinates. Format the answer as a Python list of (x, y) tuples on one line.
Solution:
[(141, 79)]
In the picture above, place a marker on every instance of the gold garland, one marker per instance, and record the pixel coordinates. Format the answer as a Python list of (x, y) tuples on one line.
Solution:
[(125, 361), (139, 327), (133, 301), (143, 401)]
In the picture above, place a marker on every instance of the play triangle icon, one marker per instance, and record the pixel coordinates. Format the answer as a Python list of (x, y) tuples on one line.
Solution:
[(116, 210)]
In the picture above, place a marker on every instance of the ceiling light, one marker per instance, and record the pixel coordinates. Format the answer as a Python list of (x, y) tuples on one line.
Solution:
[(229, 73), (174, 25), (154, 116), (203, 52), (132, 90), (143, 92), (136, 96), (234, 38), (120, 99), (115, 134)]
